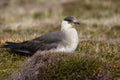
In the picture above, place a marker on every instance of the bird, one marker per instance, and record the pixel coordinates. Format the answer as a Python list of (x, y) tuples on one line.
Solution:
[(64, 40)]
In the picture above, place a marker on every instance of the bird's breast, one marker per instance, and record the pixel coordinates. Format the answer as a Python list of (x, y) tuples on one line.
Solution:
[(70, 41)]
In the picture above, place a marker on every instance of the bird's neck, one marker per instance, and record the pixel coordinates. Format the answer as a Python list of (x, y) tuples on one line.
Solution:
[(69, 31), (71, 34), (65, 25)]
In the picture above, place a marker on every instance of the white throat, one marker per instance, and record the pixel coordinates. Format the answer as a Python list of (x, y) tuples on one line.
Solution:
[(68, 29), (65, 25)]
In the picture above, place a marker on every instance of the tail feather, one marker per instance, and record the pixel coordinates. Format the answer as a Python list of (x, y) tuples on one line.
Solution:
[(15, 48), (11, 44), (4, 46)]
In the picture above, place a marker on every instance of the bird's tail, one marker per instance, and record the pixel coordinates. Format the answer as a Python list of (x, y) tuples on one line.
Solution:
[(9, 45), (15, 48)]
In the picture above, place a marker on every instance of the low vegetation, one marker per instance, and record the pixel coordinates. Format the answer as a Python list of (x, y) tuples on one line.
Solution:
[(97, 56)]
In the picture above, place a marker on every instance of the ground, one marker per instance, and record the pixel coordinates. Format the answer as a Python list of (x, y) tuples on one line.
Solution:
[(99, 32)]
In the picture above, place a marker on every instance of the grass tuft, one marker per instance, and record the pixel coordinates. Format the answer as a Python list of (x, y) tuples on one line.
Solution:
[(61, 66)]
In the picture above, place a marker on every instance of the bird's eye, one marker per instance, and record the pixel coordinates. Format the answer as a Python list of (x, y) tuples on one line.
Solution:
[(70, 21)]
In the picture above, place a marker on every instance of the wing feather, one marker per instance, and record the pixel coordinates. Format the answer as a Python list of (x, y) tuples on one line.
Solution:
[(45, 42)]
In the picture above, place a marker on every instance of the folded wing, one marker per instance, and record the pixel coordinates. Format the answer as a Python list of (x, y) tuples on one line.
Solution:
[(46, 42)]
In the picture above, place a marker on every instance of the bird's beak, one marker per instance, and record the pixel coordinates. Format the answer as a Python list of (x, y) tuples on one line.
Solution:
[(76, 22)]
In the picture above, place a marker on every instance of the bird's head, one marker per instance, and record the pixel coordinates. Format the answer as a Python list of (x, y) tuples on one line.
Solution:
[(69, 22)]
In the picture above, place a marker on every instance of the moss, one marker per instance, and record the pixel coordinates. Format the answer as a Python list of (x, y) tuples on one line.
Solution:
[(74, 67)]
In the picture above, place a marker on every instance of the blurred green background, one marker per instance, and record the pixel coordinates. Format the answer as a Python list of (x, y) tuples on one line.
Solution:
[(26, 19)]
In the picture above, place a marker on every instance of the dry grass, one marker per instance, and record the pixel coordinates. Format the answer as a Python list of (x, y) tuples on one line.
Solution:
[(99, 33)]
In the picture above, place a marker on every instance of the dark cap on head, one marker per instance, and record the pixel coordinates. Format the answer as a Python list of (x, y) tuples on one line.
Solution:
[(71, 20)]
